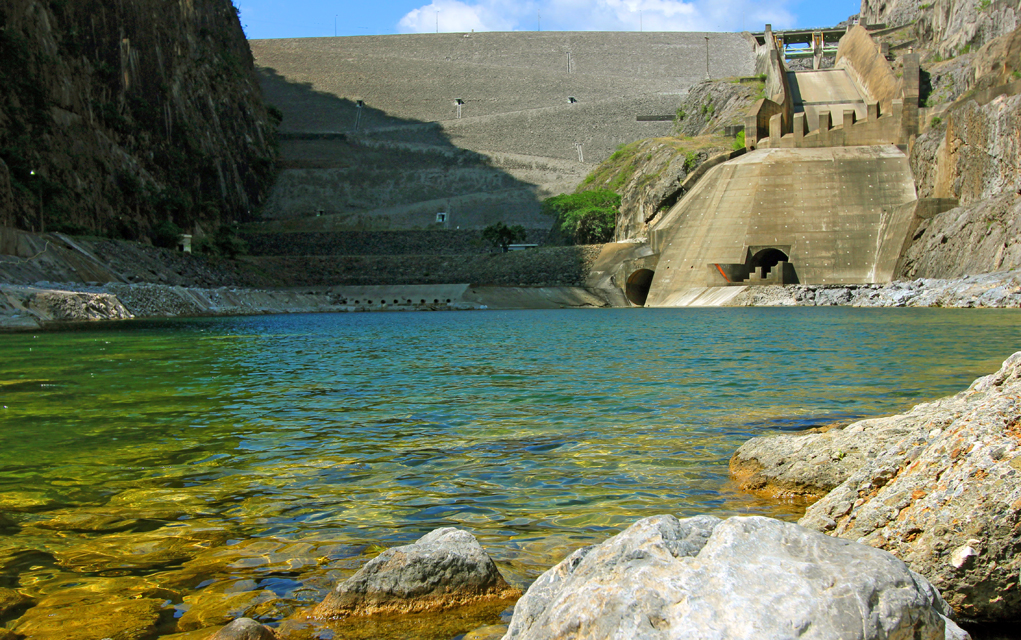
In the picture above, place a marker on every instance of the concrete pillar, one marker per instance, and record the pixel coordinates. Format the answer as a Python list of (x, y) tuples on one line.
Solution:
[(751, 132), (849, 117), (800, 126), (817, 45), (775, 130), (824, 128), (873, 111), (909, 121)]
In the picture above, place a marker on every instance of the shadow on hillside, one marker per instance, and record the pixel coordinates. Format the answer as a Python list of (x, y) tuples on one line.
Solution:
[(322, 131)]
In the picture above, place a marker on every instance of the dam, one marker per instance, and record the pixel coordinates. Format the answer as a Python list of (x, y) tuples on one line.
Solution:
[(484, 126)]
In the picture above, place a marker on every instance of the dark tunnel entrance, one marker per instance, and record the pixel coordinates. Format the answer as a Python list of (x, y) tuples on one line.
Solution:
[(637, 288), (767, 259)]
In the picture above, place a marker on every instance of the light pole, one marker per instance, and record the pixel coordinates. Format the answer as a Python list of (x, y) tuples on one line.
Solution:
[(641, 28), (707, 76), (437, 22), (538, 20), (334, 26)]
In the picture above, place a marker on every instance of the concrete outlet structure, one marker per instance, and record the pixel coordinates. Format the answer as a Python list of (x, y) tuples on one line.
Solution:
[(823, 195)]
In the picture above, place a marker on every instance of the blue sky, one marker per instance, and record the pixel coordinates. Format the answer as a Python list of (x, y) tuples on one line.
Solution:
[(318, 18)]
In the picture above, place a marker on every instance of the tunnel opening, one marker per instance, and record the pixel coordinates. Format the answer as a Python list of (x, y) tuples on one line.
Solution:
[(767, 259), (637, 286)]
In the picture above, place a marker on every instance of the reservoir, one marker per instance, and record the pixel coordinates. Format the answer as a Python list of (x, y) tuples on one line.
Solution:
[(255, 461)]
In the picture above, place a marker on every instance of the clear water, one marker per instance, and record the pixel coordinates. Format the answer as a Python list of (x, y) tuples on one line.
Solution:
[(272, 455)]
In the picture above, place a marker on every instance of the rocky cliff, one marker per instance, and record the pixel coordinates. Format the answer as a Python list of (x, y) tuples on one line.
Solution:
[(948, 27), (971, 151), (118, 116)]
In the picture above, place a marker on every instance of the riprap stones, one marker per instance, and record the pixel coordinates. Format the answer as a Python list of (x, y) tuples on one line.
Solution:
[(444, 569)]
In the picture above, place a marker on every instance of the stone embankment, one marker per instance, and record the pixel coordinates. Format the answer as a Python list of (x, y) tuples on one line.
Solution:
[(938, 486)]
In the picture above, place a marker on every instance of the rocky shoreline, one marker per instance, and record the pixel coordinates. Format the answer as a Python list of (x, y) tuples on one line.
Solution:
[(46, 304)]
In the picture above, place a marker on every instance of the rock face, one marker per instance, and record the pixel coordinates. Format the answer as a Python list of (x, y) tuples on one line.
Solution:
[(981, 238), (444, 569), (740, 578), (947, 25), (129, 115), (946, 498), (244, 629)]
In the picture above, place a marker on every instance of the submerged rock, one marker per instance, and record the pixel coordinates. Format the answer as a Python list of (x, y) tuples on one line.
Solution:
[(444, 569), (946, 498), (117, 619), (244, 629), (13, 603), (749, 577)]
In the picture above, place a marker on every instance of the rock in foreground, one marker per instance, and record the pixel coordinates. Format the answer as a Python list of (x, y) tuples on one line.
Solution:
[(701, 577), (946, 499), (244, 629), (444, 569)]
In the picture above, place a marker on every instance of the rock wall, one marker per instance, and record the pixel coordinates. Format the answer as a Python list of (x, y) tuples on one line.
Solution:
[(115, 117), (947, 26)]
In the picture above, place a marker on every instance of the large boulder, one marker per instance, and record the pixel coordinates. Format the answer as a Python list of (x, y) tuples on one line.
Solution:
[(946, 499), (445, 568), (748, 577)]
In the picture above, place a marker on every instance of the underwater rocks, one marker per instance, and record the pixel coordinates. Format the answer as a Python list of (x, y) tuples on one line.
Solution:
[(946, 497), (444, 569), (12, 603), (746, 577)]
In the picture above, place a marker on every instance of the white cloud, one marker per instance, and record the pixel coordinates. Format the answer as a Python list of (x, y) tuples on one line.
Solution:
[(457, 16), (598, 15)]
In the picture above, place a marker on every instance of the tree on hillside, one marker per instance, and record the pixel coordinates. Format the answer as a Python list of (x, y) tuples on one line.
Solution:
[(589, 217), (500, 235)]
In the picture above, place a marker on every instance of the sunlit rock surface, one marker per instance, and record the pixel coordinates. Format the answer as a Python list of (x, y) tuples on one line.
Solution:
[(946, 498), (739, 578), (444, 569)]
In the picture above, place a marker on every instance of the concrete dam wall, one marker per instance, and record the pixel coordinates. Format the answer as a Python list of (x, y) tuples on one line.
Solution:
[(387, 131)]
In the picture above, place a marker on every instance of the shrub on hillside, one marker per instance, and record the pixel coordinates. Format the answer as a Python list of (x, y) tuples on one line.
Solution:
[(167, 235), (589, 217), (502, 236)]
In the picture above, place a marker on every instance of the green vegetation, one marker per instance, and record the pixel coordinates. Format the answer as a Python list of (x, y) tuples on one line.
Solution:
[(984, 4), (501, 236), (965, 49), (690, 161), (927, 5), (681, 115), (1016, 75), (708, 109), (738, 141), (224, 242), (936, 121), (589, 217), (166, 234)]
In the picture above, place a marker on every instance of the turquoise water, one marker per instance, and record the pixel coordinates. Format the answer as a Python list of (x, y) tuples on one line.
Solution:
[(273, 455)]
